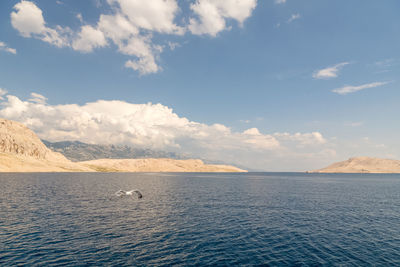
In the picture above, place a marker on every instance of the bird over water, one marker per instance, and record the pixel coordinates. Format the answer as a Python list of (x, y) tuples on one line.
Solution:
[(122, 193)]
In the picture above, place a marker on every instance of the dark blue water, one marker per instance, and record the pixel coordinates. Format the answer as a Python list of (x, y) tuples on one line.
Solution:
[(200, 219)]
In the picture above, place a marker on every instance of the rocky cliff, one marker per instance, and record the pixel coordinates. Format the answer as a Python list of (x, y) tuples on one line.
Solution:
[(17, 139)]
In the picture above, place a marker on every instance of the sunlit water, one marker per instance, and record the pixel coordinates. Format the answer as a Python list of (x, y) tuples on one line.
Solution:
[(200, 219)]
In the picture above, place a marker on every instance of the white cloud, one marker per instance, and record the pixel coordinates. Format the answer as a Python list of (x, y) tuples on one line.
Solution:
[(154, 126), (351, 89), (4, 47), (2, 93), (293, 17), (28, 20), (280, 2), (143, 65), (289, 20), (212, 15), (130, 25), (88, 39), (329, 72), (142, 48), (173, 45), (303, 139), (117, 27), (79, 17), (385, 63), (38, 98), (155, 15)]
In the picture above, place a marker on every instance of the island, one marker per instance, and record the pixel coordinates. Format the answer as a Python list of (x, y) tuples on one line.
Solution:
[(362, 165)]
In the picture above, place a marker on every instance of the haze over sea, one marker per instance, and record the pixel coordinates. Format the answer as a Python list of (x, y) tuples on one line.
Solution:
[(204, 219)]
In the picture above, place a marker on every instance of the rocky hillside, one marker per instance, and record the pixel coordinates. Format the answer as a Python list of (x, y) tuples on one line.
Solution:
[(363, 165), (17, 139), (22, 151)]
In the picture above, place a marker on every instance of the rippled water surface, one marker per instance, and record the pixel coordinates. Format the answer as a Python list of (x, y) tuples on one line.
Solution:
[(200, 219)]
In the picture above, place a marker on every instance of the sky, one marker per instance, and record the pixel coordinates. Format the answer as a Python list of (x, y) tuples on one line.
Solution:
[(269, 85)]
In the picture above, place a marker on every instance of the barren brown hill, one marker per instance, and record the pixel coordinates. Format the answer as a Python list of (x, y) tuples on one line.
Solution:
[(363, 165)]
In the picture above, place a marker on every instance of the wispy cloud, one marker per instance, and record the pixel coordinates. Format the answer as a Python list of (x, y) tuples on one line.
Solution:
[(351, 89), (173, 45), (4, 47), (289, 20), (38, 98), (293, 17), (385, 63), (2, 93), (383, 66), (354, 123), (329, 72), (280, 2)]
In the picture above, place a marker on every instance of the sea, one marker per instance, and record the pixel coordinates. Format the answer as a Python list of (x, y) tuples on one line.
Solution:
[(199, 219)]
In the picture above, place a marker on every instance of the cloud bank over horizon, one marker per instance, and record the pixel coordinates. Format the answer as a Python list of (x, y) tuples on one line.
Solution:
[(156, 126), (130, 26)]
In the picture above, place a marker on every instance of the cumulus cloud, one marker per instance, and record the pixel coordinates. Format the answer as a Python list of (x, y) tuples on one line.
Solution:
[(155, 15), (212, 14), (4, 47), (28, 19), (153, 126), (351, 89), (130, 25), (88, 39), (329, 72)]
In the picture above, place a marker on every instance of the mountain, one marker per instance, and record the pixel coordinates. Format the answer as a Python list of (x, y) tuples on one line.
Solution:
[(22, 151), (363, 165), (78, 151)]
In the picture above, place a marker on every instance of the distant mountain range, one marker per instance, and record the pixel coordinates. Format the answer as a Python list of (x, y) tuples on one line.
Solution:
[(77, 151)]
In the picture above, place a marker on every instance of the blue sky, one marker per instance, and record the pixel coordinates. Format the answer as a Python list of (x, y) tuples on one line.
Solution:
[(271, 85)]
